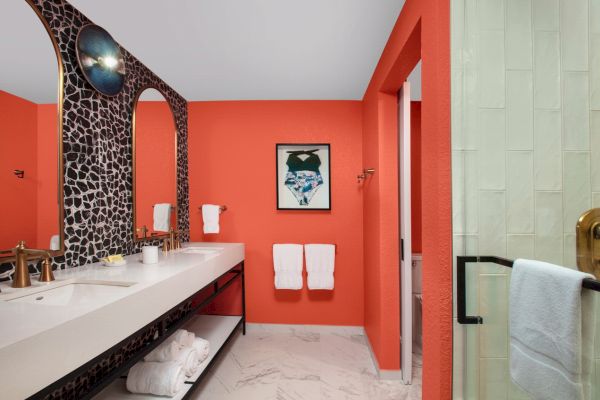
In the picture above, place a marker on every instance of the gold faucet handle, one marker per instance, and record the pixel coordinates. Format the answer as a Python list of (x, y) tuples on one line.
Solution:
[(46, 275)]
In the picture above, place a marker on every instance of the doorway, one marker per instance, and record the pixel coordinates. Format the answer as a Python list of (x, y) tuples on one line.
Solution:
[(409, 195)]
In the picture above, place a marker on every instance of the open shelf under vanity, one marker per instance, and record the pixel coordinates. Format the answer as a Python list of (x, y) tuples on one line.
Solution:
[(216, 329)]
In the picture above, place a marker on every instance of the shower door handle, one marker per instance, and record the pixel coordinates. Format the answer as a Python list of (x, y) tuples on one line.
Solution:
[(461, 292)]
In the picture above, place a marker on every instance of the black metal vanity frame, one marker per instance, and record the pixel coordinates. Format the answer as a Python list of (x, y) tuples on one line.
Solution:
[(461, 284), (92, 377)]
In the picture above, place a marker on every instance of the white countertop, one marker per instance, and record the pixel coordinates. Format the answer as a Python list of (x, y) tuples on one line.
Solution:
[(41, 343)]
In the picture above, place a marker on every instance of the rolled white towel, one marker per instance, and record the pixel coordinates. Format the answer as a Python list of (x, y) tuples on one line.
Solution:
[(188, 358), (161, 379), (168, 350), (183, 337), (202, 346)]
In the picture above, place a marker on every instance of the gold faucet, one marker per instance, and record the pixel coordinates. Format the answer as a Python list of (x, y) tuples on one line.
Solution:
[(20, 255), (172, 243)]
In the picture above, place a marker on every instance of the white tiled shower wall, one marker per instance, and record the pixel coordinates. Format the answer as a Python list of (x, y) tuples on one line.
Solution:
[(526, 158)]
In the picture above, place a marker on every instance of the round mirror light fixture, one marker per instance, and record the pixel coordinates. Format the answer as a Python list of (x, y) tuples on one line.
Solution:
[(101, 60)]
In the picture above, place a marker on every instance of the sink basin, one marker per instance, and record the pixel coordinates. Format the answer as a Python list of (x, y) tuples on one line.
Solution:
[(202, 250), (78, 293)]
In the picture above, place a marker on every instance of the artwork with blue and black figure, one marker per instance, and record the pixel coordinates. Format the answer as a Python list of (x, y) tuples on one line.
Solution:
[(303, 177), (101, 60)]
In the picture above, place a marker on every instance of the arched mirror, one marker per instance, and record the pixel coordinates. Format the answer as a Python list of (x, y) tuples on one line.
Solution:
[(30, 131), (154, 166)]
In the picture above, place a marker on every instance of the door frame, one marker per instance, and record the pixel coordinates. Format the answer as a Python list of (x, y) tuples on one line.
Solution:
[(405, 234)]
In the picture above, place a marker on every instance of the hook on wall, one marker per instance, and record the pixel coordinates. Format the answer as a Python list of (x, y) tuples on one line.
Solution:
[(365, 174), (19, 173)]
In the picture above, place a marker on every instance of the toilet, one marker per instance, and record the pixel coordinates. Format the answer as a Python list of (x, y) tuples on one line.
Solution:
[(417, 302)]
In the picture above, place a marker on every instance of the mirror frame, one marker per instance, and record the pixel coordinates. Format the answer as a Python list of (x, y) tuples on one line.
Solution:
[(134, 158), (59, 105)]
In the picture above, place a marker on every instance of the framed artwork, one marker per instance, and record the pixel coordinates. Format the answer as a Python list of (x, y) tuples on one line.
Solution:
[(303, 176)]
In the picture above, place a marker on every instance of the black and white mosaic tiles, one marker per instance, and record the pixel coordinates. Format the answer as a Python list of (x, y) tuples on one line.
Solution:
[(97, 149)]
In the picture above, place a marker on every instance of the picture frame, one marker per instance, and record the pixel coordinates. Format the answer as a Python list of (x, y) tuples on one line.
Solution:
[(303, 176)]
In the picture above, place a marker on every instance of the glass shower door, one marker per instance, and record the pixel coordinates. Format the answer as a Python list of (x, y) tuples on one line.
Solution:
[(526, 160)]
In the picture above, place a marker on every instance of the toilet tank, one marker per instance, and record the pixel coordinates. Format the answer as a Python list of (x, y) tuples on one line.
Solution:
[(417, 273)]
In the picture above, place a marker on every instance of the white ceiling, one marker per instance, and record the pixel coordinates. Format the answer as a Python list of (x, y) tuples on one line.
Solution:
[(29, 68), (253, 49)]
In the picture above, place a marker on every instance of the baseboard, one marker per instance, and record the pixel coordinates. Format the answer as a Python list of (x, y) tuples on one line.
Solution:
[(383, 374), (341, 329)]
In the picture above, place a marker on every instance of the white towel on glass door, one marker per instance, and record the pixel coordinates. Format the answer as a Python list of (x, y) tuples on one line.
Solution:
[(162, 217), (320, 265), (210, 216), (159, 378), (551, 324), (287, 262)]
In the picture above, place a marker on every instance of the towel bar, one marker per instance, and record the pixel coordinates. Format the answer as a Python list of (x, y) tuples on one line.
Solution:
[(222, 209), (334, 245), (461, 300), (173, 209)]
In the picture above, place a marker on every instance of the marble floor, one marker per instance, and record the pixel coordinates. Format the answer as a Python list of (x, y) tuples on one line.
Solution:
[(301, 363)]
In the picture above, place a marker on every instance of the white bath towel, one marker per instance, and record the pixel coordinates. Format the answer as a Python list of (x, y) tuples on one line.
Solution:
[(55, 242), (202, 346), (320, 265), (188, 358), (161, 379), (210, 216), (184, 338), (169, 350), (551, 323), (162, 217), (287, 262)]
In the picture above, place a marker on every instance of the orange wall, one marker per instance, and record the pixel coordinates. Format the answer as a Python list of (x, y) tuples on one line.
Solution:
[(18, 151), (421, 31), (415, 165), (47, 174), (155, 135), (232, 162)]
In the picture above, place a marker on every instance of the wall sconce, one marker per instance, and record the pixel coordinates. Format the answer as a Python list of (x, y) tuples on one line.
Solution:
[(365, 174), (19, 173)]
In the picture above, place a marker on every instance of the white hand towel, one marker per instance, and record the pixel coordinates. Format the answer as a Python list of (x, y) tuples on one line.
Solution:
[(169, 350), (162, 217), (161, 379), (287, 262), (210, 216), (184, 338), (320, 264), (202, 346), (188, 358), (551, 320), (55, 242)]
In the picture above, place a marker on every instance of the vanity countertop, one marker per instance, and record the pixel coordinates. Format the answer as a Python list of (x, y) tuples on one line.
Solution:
[(40, 343)]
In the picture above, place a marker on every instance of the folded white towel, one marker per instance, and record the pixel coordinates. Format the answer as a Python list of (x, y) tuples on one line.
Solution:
[(287, 262), (162, 217), (161, 379), (188, 358), (184, 338), (550, 343), (55, 242), (320, 264), (202, 346), (210, 216), (169, 350)]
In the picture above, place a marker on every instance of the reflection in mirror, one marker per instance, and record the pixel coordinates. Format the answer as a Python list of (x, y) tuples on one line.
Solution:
[(155, 172), (30, 173)]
